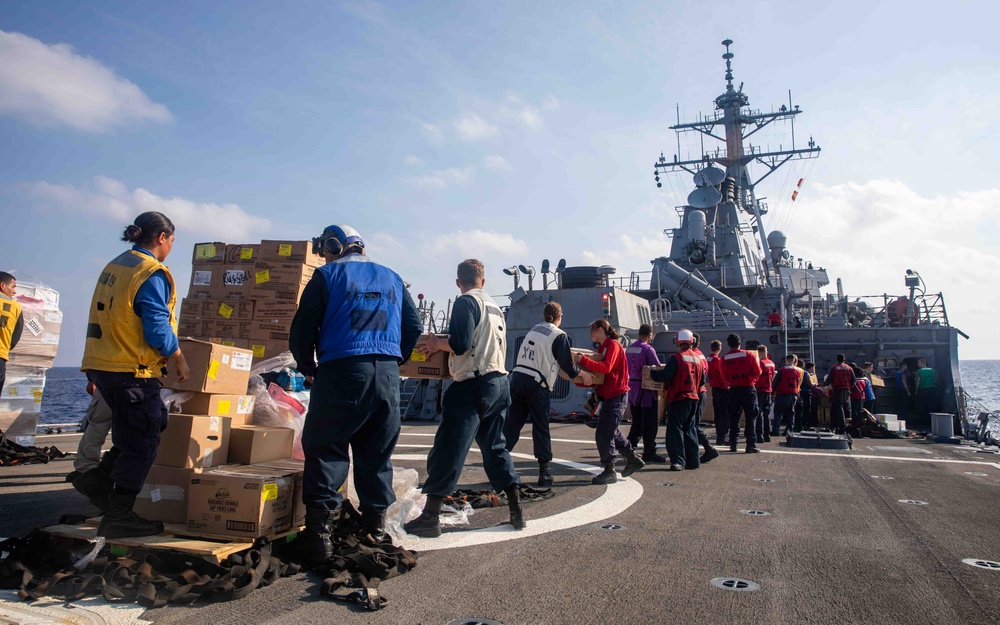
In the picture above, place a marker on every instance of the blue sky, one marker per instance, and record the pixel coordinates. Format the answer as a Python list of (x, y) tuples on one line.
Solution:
[(512, 132)]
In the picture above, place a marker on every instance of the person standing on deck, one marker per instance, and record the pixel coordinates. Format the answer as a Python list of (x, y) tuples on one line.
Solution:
[(841, 378), (903, 391), (11, 321), (613, 395), (683, 373), (131, 334), (642, 402), (96, 427), (720, 393), (544, 351), (358, 320), (764, 389), (741, 370), (925, 384), (787, 383), (710, 452), (474, 406)]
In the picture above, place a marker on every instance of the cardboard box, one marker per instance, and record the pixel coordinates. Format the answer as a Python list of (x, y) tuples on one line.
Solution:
[(246, 502), (41, 330), (242, 254), (213, 252), (206, 280), (197, 328), (290, 252), (648, 383), (228, 342), (164, 494), (250, 444), (234, 329), (194, 441), (239, 408), (232, 310), (271, 328), (433, 367), (262, 350), (236, 283), (193, 308), (19, 422), (214, 368), (598, 377), (290, 465), (280, 281), (273, 309)]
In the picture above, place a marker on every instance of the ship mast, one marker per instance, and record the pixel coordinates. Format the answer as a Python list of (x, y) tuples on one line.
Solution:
[(739, 123)]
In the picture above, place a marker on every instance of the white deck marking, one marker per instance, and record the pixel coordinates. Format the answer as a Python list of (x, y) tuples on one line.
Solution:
[(874, 457)]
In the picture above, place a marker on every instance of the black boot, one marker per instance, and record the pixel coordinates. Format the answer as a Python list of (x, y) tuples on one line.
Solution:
[(733, 444), (513, 493), (608, 476), (544, 477), (428, 524), (313, 546), (711, 453), (120, 522), (373, 524), (96, 484), (632, 462)]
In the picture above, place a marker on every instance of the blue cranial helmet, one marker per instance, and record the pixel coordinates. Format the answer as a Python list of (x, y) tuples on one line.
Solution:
[(337, 238)]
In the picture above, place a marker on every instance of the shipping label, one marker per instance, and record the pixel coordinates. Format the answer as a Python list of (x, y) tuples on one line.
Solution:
[(33, 326), (242, 361), (202, 278)]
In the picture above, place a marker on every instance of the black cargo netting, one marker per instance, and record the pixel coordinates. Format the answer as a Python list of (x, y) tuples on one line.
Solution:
[(12, 454)]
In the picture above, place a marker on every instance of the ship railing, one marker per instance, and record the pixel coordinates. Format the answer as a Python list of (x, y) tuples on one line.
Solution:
[(878, 311), (636, 281), (431, 320)]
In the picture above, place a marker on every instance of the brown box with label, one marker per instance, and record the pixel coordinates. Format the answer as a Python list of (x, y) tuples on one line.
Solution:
[(272, 309), (241, 343), (232, 310), (433, 367), (648, 383), (239, 408), (250, 444), (290, 465), (280, 281), (206, 280), (236, 283), (290, 252), (233, 329), (214, 368), (271, 329), (242, 254), (241, 501), (194, 441), (198, 328), (262, 350), (212, 252), (598, 377), (164, 494), (192, 308)]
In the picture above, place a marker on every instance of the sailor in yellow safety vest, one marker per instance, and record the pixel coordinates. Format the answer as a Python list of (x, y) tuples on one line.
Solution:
[(131, 334), (11, 321)]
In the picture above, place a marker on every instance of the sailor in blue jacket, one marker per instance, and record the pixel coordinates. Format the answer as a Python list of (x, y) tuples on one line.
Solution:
[(357, 320)]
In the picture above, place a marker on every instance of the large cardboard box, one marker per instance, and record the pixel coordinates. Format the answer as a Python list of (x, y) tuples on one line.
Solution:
[(290, 465), (647, 381), (232, 310), (280, 281), (239, 408), (164, 494), (433, 367), (233, 329), (236, 283), (192, 308), (250, 444), (274, 309), (271, 328), (598, 377), (194, 441), (290, 252), (228, 342), (214, 368), (211, 252), (262, 350), (206, 280), (197, 328), (241, 501), (242, 254)]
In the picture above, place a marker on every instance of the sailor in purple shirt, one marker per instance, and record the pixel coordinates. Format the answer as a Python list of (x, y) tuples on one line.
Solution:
[(642, 402)]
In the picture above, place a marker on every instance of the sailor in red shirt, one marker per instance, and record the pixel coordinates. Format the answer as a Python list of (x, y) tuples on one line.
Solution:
[(741, 370), (763, 387), (787, 383), (841, 378), (683, 374), (613, 395), (710, 452), (720, 393)]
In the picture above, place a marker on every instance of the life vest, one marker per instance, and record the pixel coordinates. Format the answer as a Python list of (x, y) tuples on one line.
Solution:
[(704, 367), (687, 379), (115, 340), (858, 392), (535, 356), (766, 375), (716, 376), (10, 312), (489, 341), (842, 375), (790, 382), (741, 368), (363, 311)]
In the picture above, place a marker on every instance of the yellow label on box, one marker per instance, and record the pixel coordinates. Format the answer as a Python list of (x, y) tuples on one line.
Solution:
[(263, 276), (258, 351), (12, 391), (224, 406), (246, 253), (418, 356), (37, 394), (229, 343), (284, 249), (270, 492), (204, 251), (213, 369), (226, 311)]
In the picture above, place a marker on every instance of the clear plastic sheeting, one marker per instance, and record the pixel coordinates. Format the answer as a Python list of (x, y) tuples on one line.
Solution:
[(410, 503), (174, 400), (275, 407)]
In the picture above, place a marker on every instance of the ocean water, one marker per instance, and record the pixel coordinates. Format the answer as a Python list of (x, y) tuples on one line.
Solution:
[(65, 399)]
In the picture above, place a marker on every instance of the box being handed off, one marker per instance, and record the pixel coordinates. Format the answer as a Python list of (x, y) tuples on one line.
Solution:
[(589, 353), (433, 367), (648, 383)]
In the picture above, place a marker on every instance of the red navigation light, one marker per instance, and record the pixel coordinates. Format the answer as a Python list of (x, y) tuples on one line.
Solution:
[(420, 296)]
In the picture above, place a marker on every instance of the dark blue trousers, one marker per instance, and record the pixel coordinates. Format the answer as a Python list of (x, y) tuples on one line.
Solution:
[(720, 405), (743, 399), (840, 409), (607, 435), (803, 412), (529, 401), (472, 410), (682, 433), (354, 403), (138, 416), (644, 426), (784, 412), (764, 413)]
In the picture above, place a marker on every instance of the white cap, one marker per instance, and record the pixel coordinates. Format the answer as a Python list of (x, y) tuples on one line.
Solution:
[(684, 336)]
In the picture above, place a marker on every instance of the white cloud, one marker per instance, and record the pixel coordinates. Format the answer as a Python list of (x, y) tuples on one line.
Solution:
[(472, 127), (531, 118), (53, 85), (432, 132), (412, 161), (629, 254), (108, 197), (525, 113), (498, 164), (477, 244), (550, 103), (442, 179)]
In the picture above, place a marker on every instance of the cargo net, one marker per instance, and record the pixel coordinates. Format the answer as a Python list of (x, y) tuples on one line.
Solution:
[(12, 454)]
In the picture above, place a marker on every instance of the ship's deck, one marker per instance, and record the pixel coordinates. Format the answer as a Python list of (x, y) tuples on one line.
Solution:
[(837, 546)]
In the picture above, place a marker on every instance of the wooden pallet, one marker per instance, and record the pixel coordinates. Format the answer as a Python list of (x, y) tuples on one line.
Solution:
[(215, 549)]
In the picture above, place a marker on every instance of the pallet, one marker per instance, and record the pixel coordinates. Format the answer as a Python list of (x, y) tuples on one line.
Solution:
[(215, 549), (181, 530)]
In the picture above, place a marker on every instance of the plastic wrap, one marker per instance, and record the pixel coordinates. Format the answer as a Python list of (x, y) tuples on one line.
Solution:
[(278, 410), (174, 400), (42, 325)]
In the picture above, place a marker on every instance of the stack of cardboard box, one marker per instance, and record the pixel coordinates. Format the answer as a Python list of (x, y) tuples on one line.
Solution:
[(194, 481), (246, 295)]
